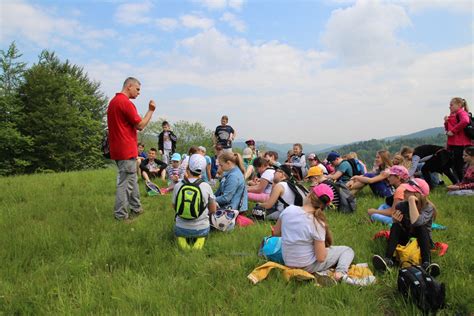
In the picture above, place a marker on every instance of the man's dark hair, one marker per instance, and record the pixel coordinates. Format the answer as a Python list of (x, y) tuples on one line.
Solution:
[(274, 154), (260, 162), (152, 149)]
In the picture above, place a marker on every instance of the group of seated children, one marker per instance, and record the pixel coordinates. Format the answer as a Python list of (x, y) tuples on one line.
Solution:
[(306, 237)]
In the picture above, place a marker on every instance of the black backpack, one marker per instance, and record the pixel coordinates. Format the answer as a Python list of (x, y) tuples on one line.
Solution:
[(428, 294), (300, 193), (469, 129), (105, 147), (347, 200), (356, 169)]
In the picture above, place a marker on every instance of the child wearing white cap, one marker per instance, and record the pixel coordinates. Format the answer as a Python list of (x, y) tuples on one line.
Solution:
[(192, 219)]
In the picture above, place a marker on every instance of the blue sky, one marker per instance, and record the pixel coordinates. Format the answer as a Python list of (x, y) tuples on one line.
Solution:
[(329, 71)]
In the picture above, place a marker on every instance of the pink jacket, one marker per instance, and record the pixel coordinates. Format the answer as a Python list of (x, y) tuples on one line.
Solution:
[(456, 123)]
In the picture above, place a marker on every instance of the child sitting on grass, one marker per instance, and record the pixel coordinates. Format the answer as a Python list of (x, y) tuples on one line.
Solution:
[(174, 172), (466, 186), (307, 240), (412, 218), (377, 180), (397, 176), (192, 218)]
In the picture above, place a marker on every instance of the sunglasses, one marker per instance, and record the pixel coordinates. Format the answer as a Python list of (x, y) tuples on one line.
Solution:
[(228, 215)]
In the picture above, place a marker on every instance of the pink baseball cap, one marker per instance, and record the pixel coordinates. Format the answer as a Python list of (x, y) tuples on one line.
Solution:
[(399, 171), (323, 189), (417, 185)]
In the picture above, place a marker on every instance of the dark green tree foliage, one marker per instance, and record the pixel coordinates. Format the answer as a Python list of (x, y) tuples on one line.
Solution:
[(13, 144), (366, 150), (63, 114)]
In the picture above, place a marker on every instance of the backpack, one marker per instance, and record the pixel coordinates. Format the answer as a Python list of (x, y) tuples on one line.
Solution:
[(270, 249), (469, 129), (414, 283), (300, 193), (189, 201), (357, 168), (347, 200), (105, 147)]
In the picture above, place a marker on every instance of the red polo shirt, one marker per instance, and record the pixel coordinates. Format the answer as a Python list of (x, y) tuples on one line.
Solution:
[(122, 118)]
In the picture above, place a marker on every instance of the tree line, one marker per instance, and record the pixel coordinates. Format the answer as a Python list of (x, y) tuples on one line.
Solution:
[(51, 115)]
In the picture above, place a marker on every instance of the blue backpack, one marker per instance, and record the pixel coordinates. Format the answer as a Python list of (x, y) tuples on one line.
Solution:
[(270, 249)]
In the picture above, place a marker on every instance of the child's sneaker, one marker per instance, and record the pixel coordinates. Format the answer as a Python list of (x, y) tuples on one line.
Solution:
[(324, 280), (358, 281), (381, 264), (432, 269)]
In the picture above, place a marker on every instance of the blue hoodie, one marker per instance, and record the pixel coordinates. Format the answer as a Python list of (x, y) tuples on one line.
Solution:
[(231, 190)]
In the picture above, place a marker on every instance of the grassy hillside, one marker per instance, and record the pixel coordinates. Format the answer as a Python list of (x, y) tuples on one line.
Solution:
[(63, 253)]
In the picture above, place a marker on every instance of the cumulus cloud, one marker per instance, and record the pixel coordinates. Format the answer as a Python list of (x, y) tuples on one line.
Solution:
[(167, 24), (193, 21), (233, 21), (133, 13), (287, 85), (37, 25), (221, 4), (366, 33)]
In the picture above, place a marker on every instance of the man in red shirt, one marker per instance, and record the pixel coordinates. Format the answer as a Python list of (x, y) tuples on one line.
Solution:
[(123, 122)]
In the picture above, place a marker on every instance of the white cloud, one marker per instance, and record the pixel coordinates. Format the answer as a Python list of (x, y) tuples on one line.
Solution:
[(291, 87), (233, 21), (366, 32), (462, 6), (194, 21), (167, 24), (221, 4), (25, 22), (133, 13)]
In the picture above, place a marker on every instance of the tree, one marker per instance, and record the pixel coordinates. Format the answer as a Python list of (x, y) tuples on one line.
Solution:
[(192, 134), (13, 144), (63, 112)]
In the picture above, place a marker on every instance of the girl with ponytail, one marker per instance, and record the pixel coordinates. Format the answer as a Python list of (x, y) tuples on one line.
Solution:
[(454, 124), (232, 192), (307, 239)]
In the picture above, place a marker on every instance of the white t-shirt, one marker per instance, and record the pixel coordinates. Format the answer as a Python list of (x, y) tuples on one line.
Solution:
[(202, 222), (298, 232), (288, 196), (268, 175), (167, 145), (323, 168)]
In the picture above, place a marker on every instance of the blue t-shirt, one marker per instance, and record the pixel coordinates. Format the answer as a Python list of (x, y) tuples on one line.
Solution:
[(346, 169), (204, 173)]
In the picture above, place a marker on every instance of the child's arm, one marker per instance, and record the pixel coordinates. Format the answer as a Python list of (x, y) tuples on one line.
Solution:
[(260, 187)]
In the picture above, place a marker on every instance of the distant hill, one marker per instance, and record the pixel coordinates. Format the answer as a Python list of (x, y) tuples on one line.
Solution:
[(365, 149), (421, 134)]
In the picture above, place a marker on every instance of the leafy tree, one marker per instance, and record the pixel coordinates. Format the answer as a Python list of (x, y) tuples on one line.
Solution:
[(13, 144), (192, 134), (63, 114)]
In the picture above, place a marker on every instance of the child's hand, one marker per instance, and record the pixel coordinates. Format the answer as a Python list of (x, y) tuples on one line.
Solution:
[(397, 216), (452, 187), (371, 211), (412, 198)]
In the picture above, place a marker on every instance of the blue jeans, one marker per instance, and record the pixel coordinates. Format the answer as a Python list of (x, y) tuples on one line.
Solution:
[(382, 218), (190, 233)]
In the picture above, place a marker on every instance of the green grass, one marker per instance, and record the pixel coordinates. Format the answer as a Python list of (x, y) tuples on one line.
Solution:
[(62, 252)]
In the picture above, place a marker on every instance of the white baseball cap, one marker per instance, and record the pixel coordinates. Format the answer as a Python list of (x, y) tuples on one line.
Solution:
[(197, 163)]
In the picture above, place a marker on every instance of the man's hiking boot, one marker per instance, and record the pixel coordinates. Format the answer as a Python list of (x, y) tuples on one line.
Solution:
[(432, 269), (324, 280), (136, 213), (382, 264)]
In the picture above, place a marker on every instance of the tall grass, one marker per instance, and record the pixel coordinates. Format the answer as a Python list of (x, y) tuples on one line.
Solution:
[(63, 253)]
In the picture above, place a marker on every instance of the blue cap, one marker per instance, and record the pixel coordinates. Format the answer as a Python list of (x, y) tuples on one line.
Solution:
[(333, 155), (176, 157)]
